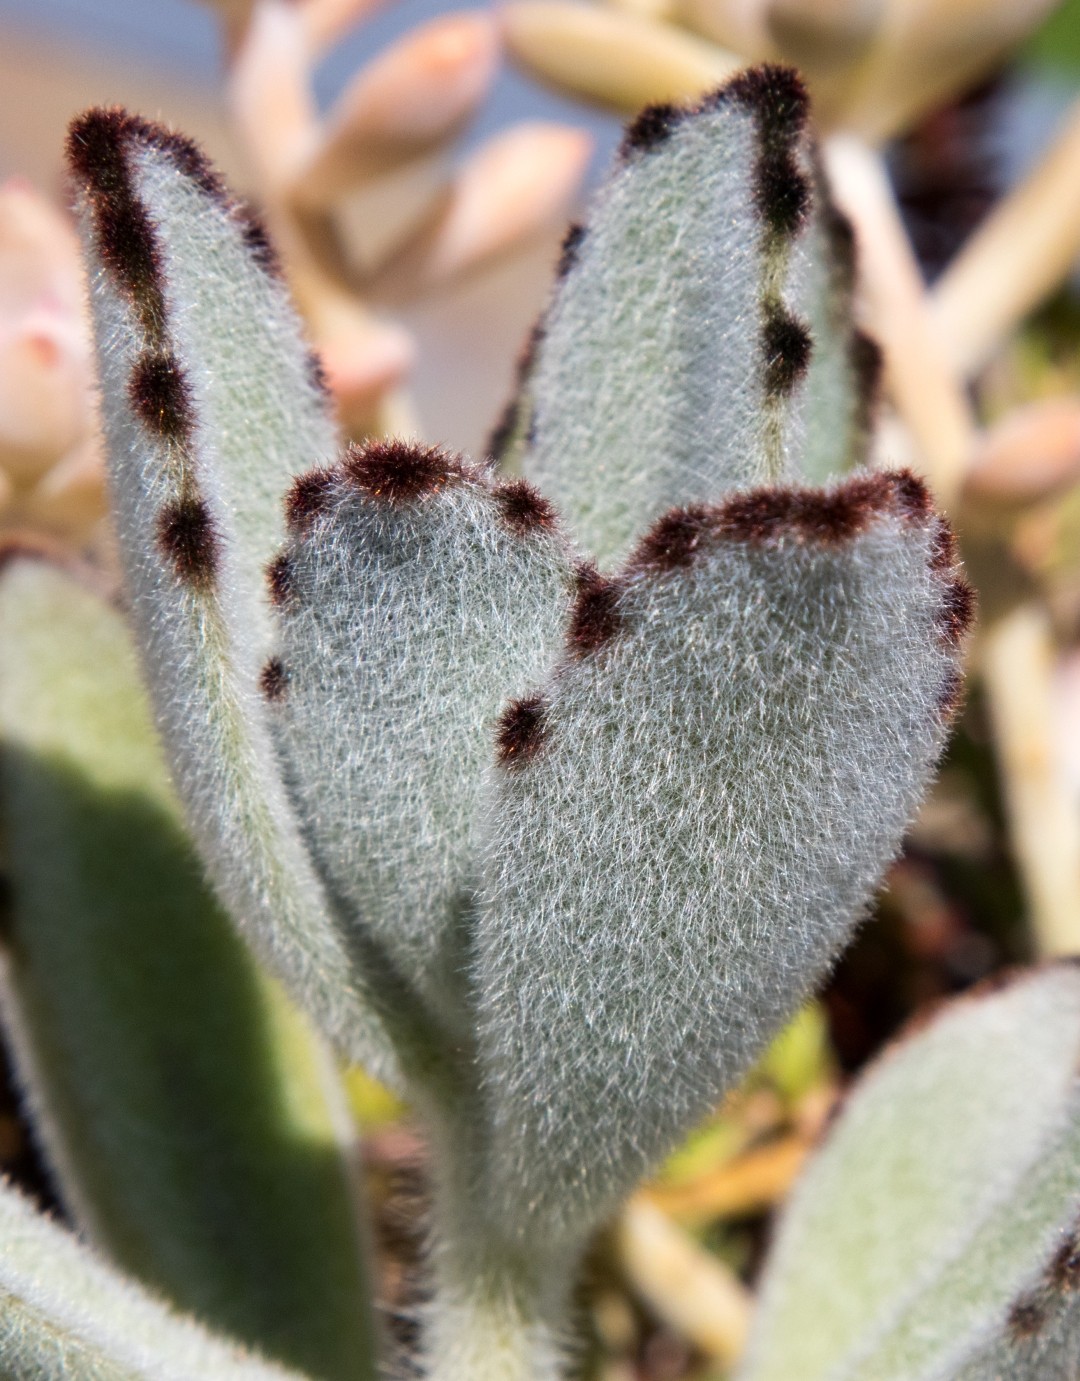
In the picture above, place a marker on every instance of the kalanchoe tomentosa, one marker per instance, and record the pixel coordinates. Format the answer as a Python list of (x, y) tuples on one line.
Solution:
[(549, 806)]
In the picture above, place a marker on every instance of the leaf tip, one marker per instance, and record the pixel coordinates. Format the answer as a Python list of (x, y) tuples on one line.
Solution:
[(399, 472), (778, 100)]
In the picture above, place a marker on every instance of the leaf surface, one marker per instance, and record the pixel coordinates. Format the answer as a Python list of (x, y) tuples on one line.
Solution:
[(934, 1235), (193, 1121), (701, 802)]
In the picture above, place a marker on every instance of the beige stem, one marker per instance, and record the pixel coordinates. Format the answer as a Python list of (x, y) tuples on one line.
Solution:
[(1020, 254), (923, 387), (1044, 820), (689, 1287)]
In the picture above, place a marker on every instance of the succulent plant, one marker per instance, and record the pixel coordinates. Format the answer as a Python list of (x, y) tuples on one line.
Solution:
[(551, 821)]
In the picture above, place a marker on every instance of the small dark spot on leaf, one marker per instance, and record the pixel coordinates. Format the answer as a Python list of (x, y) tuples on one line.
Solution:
[(273, 679), (308, 496), (257, 239), (594, 619), (651, 127), (521, 732), (161, 395), (673, 540), (829, 516), (279, 579), (957, 610), (786, 348), (524, 508), (402, 471), (186, 536), (1064, 1272), (316, 374), (571, 245), (1027, 1318)]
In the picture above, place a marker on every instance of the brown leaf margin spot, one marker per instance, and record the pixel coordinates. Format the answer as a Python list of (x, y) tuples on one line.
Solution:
[(594, 615), (522, 731), (400, 472), (189, 541)]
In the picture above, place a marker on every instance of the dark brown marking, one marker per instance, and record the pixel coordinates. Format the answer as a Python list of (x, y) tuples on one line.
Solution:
[(531, 348), (571, 246), (651, 127), (273, 679), (830, 516), (316, 373), (522, 731), (97, 149), (867, 365), (186, 535), (400, 472), (504, 430), (786, 348), (309, 495), (1064, 1272), (956, 613), (524, 508), (943, 551), (910, 496), (825, 516), (1027, 1318), (594, 619), (256, 237), (950, 697), (279, 579), (673, 540), (780, 105), (840, 238), (186, 157), (161, 395)]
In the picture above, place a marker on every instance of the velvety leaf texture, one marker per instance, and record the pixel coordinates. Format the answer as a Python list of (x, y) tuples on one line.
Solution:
[(208, 411), (193, 1123), (65, 1316), (717, 775), (700, 338), (413, 594), (935, 1234)]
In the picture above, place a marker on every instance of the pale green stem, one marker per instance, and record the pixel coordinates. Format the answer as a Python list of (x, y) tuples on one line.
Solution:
[(500, 1311)]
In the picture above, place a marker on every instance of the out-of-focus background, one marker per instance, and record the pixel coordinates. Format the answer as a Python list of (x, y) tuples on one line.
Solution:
[(418, 167), (166, 60)]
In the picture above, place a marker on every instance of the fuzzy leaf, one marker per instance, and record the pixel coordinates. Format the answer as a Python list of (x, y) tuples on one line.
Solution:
[(208, 412), (415, 593), (935, 1234), (702, 802), (700, 338), (66, 1316), (192, 1120)]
